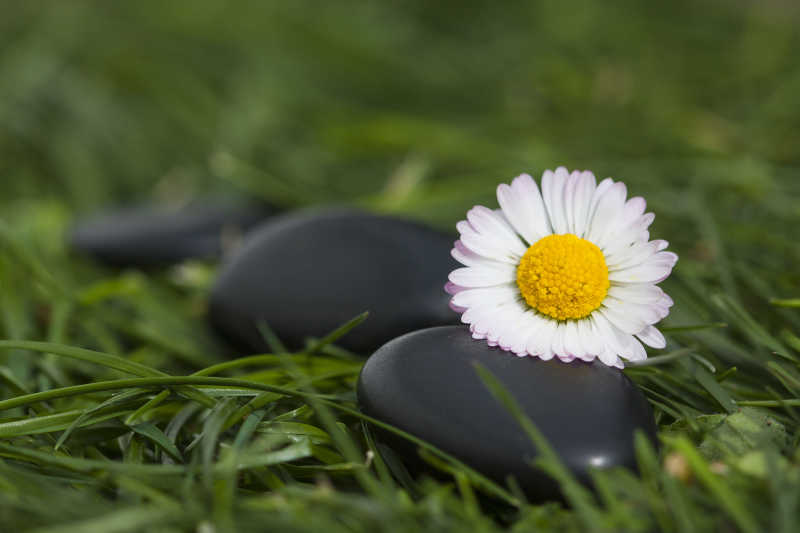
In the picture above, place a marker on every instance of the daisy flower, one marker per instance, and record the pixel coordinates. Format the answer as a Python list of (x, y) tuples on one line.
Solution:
[(570, 272)]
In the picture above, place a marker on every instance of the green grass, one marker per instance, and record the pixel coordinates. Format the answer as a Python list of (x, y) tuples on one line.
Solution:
[(119, 411)]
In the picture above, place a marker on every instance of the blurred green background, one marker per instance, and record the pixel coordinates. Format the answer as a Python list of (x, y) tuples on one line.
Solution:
[(109, 102)]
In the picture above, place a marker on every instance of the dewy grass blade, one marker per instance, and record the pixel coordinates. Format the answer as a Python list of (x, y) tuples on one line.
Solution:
[(785, 302), (103, 359), (155, 435), (751, 327), (273, 341), (10, 380), (791, 402), (152, 403), (662, 359), (692, 327), (118, 399), (335, 335), (149, 492), (255, 404), (81, 354), (139, 518), (241, 362), (380, 465), (292, 452), (155, 382), (212, 428), (714, 389), (791, 339), (650, 472), (248, 429), (211, 370), (724, 494), (55, 422)]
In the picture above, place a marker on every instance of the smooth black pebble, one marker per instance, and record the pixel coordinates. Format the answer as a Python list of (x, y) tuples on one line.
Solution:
[(425, 384), (149, 236), (307, 273)]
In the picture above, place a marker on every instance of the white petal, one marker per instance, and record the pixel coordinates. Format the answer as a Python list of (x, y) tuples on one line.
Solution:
[(508, 322), (652, 337), (662, 305), (638, 353), (517, 340), (649, 314), (606, 333), (572, 340), (665, 302), (452, 289), (547, 354), (476, 334), (654, 270), (528, 326), (569, 194), (558, 341), (487, 222), (482, 320), (619, 342), (582, 195), (632, 211), (601, 189), (634, 255), (625, 236), (608, 357), (549, 334), (640, 294), (630, 324), (545, 347), (627, 227), (553, 184), (475, 317), (481, 276), (514, 336), (591, 342), (523, 206), (609, 208), (467, 257), (485, 245), (485, 296), (493, 320), (538, 341)]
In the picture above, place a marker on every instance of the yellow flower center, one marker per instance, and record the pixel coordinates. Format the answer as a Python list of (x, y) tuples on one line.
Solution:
[(563, 276)]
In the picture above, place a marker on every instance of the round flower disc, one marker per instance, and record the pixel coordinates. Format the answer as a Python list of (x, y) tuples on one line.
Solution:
[(563, 276)]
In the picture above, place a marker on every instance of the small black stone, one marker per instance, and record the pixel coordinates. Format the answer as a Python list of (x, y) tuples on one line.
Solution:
[(307, 273), (149, 236), (425, 384)]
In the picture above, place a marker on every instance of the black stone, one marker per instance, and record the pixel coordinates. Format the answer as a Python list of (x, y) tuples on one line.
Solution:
[(307, 273), (425, 383), (149, 236)]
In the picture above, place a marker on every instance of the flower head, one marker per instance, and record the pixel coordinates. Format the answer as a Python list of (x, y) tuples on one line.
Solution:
[(569, 272)]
